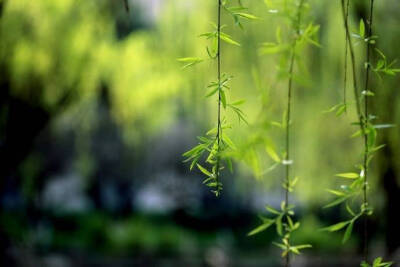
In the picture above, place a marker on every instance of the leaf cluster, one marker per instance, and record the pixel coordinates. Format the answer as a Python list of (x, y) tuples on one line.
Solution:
[(378, 262), (213, 151), (216, 144), (284, 225)]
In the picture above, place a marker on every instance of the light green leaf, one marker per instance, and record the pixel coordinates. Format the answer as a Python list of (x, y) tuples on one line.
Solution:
[(336, 202), (278, 222), (348, 175), (348, 231), (303, 246), (362, 28), (342, 109), (239, 102), (228, 141), (335, 192), (261, 228), (223, 98), (371, 138), (336, 227), (190, 61), (229, 40), (383, 126), (246, 15), (272, 210), (271, 152), (204, 170)]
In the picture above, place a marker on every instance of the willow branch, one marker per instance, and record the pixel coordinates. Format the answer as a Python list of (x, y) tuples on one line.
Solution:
[(353, 65), (366, 112), (346, 54), (288, 113), (219, 128)]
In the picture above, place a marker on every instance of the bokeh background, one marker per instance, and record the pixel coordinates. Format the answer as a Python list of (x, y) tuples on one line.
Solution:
[(95, 113)]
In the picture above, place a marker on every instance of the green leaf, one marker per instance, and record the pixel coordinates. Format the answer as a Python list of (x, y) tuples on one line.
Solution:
[(278, 222), (203, 170), (214, 89), (228, 39), (230, 165), (362, 28), (348, 231), (341, 109), (356, 134), (246, 15), (190, 61), (272, 210), (374, 149), (208, 180), (236, 8), (371, 138), (335, 192), (223, 98), (239, 102), (303, 246), (332, 108), (281, 246), (336, 202), (193, 151), (350, 210), (272, 48), (378, 262), (336, 227), (271, 152), (294, 250), (348, 175), (383, 126), (228, 141), (261, 228)]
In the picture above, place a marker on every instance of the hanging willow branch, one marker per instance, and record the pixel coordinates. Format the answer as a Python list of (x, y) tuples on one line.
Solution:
[(367, 118), (353, 63), (216, 143), (219, 128), (349, 194), (345, 56), (283, 219), (288, 161)]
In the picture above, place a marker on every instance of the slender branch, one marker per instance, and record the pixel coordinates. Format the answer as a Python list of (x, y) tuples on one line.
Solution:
[(219, 128), (366, 113), (288, 115), (353, 65), (363, 118), (346, 55)]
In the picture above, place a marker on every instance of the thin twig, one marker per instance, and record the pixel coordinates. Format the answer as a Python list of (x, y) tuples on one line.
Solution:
[(288, 114), (345, 57), (354, 72), (366, 113), (219, 128)]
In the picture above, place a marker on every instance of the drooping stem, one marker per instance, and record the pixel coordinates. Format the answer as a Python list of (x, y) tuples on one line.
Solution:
[(288, 161), (219, 128), (363, 118), (366, 118), (353, 65), (346, 54)]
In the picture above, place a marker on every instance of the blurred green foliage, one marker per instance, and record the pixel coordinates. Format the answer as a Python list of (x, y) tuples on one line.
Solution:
[(65, 51)]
